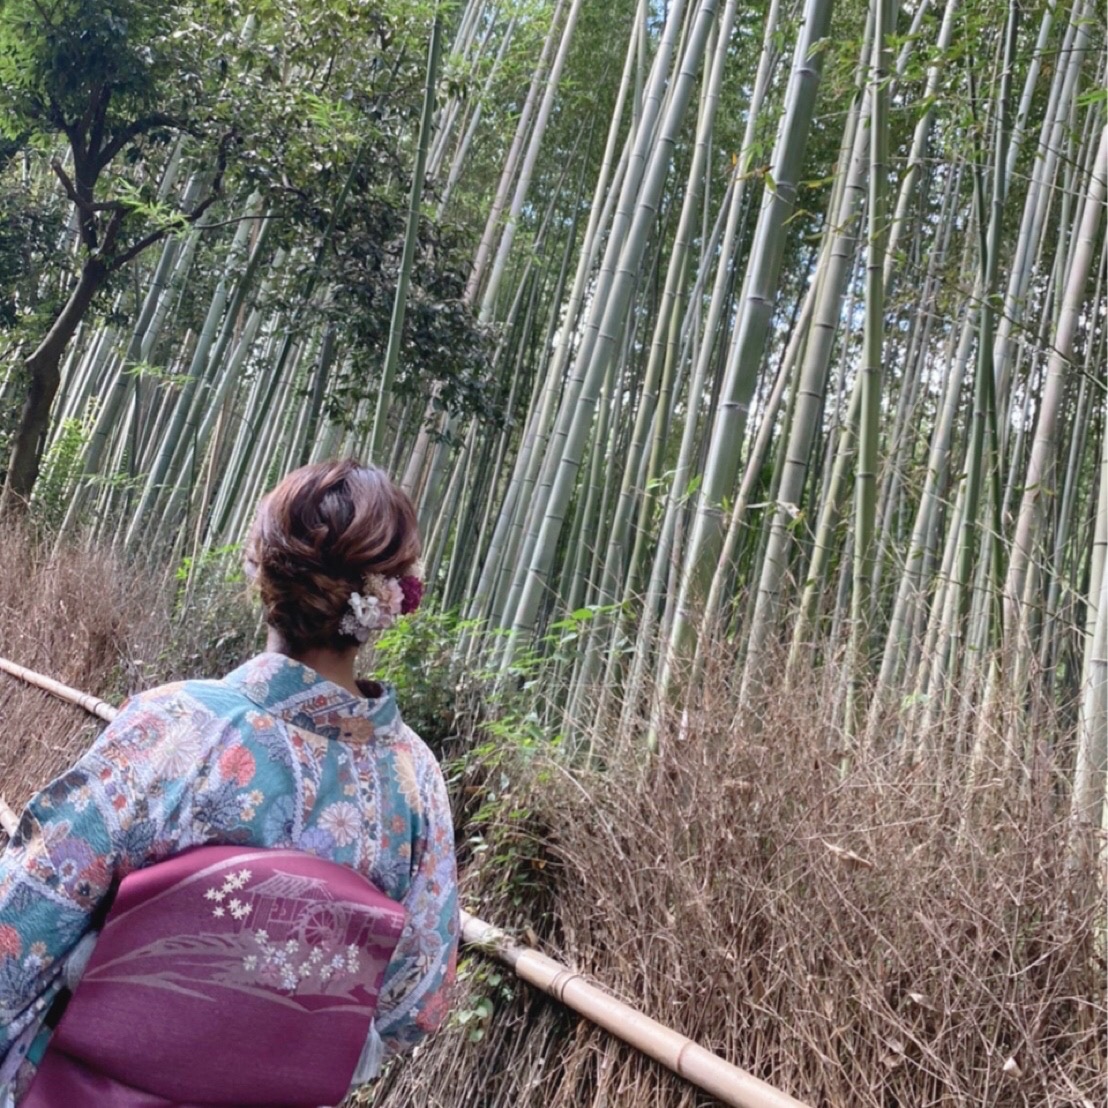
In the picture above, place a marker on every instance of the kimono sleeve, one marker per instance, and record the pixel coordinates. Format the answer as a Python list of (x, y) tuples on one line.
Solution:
[(74, 838), (415, 994)]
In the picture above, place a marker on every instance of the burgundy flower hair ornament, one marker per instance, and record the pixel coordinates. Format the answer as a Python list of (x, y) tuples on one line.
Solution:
[(412, 588)]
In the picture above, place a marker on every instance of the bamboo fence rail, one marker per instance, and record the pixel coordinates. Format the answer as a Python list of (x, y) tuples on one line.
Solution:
[(695, 1064)]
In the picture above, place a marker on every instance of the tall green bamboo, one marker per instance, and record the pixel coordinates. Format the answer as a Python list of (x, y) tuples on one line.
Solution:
[(411, 237), (750, 327)]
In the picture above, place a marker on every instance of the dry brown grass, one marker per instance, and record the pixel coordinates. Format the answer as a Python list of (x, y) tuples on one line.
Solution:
[(99, 625), (73, 618), (831, 933)]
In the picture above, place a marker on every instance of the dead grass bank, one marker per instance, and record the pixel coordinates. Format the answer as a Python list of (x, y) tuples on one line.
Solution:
[(100, 625), (832, 932)]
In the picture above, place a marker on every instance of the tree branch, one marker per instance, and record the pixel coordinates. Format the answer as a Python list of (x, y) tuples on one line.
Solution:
[(89, 114), (96, 130), (139, 127), (73, 132), (234, 221), (191, 218), (86, 206), (57, 118), (86, 216), (115, 225), (136, 248)]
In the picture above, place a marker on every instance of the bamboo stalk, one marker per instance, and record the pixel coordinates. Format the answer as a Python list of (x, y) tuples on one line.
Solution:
[(601, 335), (750, 330), (687, 1059), (411, 237), (871, 372), (91, 704), (681, 1055)]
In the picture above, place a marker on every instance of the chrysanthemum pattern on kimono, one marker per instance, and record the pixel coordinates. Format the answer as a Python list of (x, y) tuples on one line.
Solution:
[(272, 755)]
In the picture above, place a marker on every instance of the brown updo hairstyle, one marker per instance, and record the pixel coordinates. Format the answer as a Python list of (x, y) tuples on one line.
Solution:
[(317, 536)]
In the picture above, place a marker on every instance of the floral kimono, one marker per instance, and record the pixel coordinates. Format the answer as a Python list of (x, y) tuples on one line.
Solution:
[(273, 755)]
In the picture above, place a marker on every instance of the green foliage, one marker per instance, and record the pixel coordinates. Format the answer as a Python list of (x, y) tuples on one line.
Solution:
[(444, 352), (215, 622), (561, 641), (226, 559), (146, 371), (29, 229), (449, 684), (502, 842), (311, 108), (452, 692), (419, 656), (61, 465), (117, 80), (52, 54), (277, 97), (156, 214), (485, 988)]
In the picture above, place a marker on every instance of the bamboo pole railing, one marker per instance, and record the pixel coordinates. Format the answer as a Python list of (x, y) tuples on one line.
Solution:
[(697, 1065)]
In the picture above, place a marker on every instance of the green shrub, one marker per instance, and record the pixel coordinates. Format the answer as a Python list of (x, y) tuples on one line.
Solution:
[(421, 657)]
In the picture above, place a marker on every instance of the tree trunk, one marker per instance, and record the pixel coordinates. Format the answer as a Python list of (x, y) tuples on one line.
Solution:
[(45, 376)]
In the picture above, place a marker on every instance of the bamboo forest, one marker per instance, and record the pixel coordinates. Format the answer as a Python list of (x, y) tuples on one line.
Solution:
[(746, 368)]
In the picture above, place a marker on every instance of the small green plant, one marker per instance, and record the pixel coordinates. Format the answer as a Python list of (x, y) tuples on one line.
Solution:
[(147, 371), (420, 656), (485, 988), (215, 625), (227, 558), (482, 721), (62, 464)]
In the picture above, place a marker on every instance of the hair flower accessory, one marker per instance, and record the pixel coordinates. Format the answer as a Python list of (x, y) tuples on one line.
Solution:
[(411, 585), (374, 608)]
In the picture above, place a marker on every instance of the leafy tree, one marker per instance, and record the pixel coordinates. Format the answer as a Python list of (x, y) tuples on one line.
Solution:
[(441, 340), (310, 106), (30, 227), (117, 80), (28, 234)]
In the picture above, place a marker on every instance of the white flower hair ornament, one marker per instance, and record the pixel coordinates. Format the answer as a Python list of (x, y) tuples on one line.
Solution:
[(380, 601)]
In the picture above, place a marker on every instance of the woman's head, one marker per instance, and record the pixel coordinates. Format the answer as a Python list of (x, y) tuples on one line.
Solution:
[(317, 537)]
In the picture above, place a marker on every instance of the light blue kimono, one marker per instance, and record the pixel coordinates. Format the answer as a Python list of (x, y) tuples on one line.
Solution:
[(272, 755)]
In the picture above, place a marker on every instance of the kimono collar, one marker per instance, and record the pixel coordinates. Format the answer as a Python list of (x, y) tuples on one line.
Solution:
[(302, 698)]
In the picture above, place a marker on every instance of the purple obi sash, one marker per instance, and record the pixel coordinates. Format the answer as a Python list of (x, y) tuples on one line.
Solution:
[(225, 976)]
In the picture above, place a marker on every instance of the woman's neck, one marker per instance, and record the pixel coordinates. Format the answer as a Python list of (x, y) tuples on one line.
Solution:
[(336, 666)]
